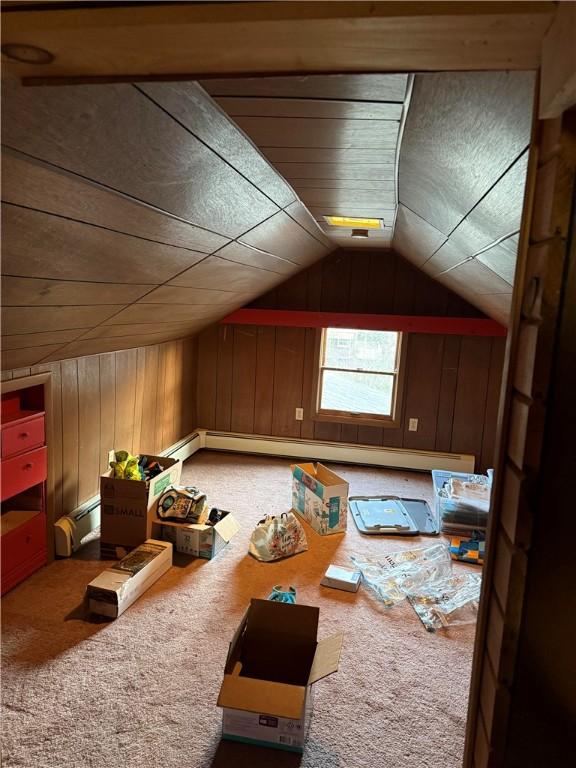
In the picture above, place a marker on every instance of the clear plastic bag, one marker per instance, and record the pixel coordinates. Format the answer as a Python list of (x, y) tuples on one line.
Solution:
[(425, 577)]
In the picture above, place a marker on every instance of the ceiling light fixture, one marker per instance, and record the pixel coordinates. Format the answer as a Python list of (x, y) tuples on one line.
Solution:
[(351, 222)]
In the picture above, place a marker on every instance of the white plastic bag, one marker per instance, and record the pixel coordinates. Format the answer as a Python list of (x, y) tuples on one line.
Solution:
[(277, 537)]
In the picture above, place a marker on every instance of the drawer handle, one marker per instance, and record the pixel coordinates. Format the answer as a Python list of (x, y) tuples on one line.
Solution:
[(24, 435), (28, 538), (29, 465)]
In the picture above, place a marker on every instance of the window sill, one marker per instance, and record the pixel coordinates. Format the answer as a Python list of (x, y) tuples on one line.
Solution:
[(342, 417)]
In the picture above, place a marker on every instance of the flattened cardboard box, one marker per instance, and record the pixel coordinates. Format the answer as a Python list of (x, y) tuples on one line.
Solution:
[(116, 588), (273, 662), (198, 540), (320, 496), (128, 507)]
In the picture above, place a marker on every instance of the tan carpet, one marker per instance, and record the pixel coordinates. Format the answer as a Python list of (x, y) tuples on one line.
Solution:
[(141, 692)]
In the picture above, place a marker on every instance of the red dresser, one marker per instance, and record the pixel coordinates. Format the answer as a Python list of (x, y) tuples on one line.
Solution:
[(23, 488)]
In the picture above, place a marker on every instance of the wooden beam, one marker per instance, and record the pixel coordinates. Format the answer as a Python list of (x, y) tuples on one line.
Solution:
[(558, 76), (460, 326), (181, 40)]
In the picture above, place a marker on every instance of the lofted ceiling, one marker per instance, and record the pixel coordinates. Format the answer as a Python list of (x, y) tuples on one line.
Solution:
[(135, 214), (335, 138)]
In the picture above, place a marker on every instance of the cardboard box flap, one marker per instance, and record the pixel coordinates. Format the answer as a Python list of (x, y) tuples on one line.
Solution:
[(269, 618), (262, 696), (326, 658), (227, 527)]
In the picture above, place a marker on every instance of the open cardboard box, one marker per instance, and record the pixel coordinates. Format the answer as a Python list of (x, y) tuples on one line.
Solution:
[(128, 507), (320, 496), (198, 540), (273, 662), (116, 588)]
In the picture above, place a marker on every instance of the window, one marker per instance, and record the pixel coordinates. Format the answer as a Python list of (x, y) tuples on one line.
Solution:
[(358, 377)]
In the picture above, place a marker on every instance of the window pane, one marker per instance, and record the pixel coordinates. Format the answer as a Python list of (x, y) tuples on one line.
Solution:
[(357, 392), (365, 350)]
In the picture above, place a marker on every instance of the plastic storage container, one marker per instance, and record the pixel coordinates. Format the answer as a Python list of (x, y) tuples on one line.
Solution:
[(457, 516)]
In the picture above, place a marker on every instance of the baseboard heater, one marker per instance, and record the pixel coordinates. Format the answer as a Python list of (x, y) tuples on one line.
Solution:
[(342, 453), (72, 529)]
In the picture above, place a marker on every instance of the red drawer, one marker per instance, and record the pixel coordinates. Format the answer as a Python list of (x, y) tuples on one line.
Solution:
[(23, 436), (23, 550), (23, 471)]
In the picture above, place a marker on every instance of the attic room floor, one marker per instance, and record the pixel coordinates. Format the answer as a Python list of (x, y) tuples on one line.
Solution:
[(141, 692)]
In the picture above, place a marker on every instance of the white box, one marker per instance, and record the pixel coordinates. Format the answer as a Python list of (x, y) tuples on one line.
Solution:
[(116, 588), (340, 577)]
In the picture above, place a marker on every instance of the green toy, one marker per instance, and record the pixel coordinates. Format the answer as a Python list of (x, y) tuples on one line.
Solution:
[(126, 467)]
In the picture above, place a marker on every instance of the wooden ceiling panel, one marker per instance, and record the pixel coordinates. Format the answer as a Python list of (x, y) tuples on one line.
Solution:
[(470, 127), (380, 238), (192, 107), (47, 338), (283, 237), (37, 244), (216, 273), (253, 257), (339, 171), (303, 185), (386, 212), (28, 291), (344, 87), (322, 155), (498, 214), (71, 127), (347, 198), (414, 238), (25, 182), (199, 297), (501, 259), (320, 133), (136, 329), (302, 216), (35, 319), (98, 346), (166, 313), (317, 108), (19, 358), (474, 276)]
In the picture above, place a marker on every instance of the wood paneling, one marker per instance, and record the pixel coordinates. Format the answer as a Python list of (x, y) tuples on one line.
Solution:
[(29, 291), (332, 155), (285, 238), (30, 319), (450, 385), (339, 171), (110, 193), (181, 175), (470, 127), (23, 340), (121, 400), (76, 198), (190, 105), (84, 252), (306, 107), (342, 87), (473, 129)]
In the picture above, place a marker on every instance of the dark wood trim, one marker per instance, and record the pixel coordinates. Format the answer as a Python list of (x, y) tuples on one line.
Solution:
[(459, 326)]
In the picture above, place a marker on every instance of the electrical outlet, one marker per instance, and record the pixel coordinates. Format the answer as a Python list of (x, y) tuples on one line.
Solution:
[(299, 414), (412, 425)]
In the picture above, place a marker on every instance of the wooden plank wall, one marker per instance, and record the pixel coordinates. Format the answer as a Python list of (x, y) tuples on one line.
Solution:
[(141, 400), (251, 379)]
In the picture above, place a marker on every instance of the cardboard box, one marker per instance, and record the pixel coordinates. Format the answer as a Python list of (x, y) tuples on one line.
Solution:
[(128, 507), (273, 662), (199, 540), (320, 497), (116, 588)]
